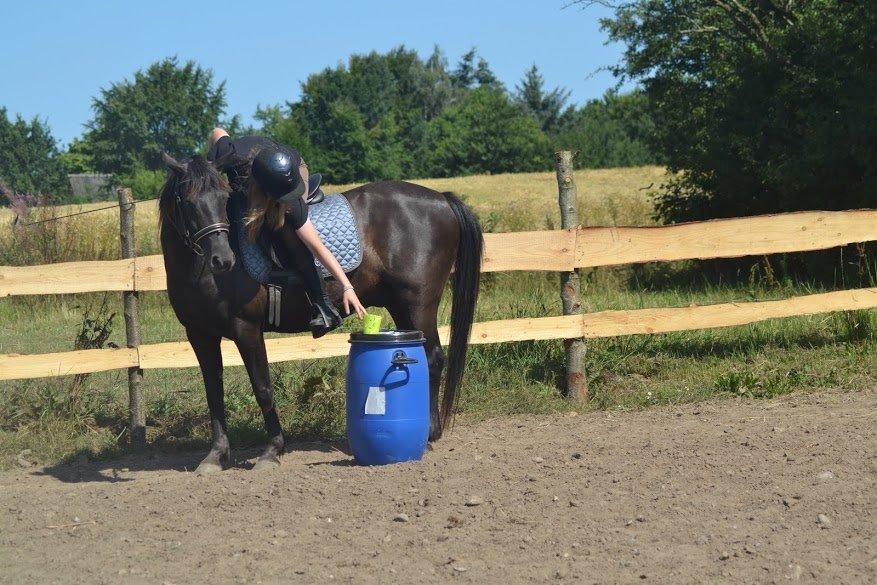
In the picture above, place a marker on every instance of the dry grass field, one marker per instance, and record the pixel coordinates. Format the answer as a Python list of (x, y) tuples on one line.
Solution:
[(608, 196), (509, 202)]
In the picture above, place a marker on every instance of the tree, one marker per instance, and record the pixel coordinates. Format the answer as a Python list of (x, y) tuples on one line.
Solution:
[(545, 107), (469, 74), (485, 77), (365, 120), (79, 157), (764, 106), (29, 160), (437, 90), (615, 131), (486, 133), (463, 76), (395, 115), (286, 129), (168, 107), (344, 127)]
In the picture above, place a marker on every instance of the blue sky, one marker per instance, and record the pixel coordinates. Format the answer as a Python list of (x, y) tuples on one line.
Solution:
[(56, 55)]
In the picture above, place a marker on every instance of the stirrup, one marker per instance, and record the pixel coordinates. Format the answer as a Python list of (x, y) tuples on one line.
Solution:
[(325, 321)]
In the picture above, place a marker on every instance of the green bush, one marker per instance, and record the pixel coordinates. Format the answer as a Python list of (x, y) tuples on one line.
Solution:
[(144, 183), (615, 131), (486, 133)]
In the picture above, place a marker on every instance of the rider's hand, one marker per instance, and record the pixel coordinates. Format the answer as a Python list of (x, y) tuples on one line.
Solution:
[(351, 301)]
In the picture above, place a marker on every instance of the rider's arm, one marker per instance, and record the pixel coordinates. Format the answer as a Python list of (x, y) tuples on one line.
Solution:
[(220, 146), (309, 236)]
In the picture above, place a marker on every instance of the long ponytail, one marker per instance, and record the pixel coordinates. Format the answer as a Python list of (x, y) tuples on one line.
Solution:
[(264, 211)]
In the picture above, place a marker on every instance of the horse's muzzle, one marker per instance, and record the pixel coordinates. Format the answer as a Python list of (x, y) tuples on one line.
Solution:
[(221, 256), (221, 263)]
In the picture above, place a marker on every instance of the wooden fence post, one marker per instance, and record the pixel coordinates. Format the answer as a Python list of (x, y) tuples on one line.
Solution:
[(136, 403), (576, 382)]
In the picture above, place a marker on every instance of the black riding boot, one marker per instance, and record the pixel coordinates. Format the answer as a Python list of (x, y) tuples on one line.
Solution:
[(324, 316)]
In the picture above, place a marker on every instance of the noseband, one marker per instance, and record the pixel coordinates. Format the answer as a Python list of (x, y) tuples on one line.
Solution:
[(189, 239), (213, 228)]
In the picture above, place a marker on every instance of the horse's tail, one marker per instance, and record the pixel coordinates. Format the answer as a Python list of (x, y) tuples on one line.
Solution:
[(466, 280)]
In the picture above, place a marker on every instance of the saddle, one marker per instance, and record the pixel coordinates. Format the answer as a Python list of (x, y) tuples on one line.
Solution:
[(315, 193), (269, 262)]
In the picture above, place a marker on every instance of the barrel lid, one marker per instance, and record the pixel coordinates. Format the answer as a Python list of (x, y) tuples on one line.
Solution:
[(388, 336)]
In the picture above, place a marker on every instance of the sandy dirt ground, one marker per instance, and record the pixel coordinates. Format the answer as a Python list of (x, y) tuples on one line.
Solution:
[(725, 491)]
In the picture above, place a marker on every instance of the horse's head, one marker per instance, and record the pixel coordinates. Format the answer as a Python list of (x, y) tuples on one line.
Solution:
[(193, 203)]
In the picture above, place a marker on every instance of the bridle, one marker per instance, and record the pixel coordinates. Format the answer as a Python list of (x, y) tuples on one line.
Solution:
[(191, 240)]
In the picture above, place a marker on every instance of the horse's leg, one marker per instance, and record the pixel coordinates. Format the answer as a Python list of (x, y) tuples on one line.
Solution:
[(424, 318), (251, 345), (206, 348)]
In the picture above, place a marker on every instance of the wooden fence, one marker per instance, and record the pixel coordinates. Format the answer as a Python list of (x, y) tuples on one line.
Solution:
[(556, 250), (589, 325), (564, 251)]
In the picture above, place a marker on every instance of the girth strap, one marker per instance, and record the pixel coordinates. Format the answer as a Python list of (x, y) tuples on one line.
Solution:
[(275, 294)]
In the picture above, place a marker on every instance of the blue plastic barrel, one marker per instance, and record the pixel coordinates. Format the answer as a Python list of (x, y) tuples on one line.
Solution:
[(387, 397)]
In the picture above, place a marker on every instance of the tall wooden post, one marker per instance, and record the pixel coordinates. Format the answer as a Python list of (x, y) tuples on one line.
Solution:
[(136, 403), (576, 382)]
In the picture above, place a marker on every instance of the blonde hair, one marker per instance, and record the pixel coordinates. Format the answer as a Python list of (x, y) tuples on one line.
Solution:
[(263, 211)]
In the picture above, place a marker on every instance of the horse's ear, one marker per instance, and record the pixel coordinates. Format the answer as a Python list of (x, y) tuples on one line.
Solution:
[(173, 164)]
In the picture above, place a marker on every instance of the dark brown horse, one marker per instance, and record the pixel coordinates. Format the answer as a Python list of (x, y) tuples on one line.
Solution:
[(413, 238)]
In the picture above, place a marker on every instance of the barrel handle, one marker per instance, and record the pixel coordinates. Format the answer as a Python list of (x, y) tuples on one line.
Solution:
[(400, 359)]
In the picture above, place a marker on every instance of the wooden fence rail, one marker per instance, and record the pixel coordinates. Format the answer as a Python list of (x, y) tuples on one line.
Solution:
[(556, 251), (588, 325)]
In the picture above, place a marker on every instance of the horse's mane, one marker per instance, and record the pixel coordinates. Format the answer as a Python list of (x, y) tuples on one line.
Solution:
[(192, 178)]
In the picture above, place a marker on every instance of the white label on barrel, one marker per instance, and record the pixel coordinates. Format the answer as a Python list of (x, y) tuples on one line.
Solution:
[(376, 402)]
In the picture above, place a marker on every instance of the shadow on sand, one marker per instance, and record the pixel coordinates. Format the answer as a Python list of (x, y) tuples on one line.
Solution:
[(114, 468)]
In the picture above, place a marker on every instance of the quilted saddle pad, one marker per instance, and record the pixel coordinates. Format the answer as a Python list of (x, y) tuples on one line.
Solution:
[(334, 220)]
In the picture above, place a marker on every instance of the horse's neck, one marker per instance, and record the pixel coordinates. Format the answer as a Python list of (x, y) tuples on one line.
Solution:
[(182, 266)]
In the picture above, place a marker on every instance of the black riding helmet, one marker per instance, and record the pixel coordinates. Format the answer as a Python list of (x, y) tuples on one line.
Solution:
[(276, 171)]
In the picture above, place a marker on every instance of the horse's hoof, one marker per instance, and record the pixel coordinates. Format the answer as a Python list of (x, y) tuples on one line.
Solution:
[(208, 467), (264, 463)]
